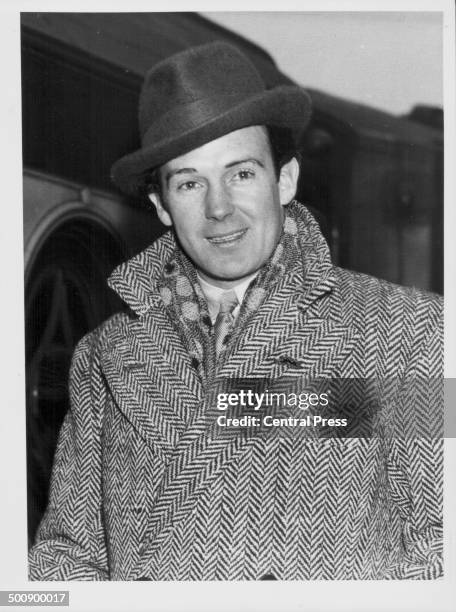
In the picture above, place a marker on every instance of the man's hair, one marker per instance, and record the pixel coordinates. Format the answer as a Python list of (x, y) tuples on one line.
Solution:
[(283, 149)]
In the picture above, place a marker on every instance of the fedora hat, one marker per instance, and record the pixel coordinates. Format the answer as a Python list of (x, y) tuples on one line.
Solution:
[(198, 95)]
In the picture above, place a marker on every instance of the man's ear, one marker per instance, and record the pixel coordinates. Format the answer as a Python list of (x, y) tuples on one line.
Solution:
[(163, 215), (288, 181)]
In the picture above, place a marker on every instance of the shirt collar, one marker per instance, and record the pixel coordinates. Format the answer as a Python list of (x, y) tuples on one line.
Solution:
[(213, 294)]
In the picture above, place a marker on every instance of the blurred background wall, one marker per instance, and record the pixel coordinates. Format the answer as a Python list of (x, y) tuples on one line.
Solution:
[(391, 61)]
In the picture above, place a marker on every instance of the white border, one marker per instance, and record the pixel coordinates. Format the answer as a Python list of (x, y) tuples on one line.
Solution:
[(210, 596)]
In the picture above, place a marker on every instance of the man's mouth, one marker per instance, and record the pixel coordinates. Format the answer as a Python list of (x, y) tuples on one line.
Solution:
[(229, 238)]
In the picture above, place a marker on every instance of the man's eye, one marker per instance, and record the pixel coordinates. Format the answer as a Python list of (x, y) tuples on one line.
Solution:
[(244, 174), (188, 186)]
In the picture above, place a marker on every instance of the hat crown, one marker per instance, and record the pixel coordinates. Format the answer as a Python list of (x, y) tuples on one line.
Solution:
[(198, 95), (199, 74)]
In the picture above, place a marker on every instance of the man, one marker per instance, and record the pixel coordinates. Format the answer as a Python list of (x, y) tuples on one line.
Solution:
[(146, 482)]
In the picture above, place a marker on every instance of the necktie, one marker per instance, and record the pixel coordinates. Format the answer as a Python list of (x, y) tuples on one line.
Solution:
[(225, 320)]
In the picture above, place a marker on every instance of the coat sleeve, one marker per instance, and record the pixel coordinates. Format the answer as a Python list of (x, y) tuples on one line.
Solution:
[(415, 462), (70, 542)]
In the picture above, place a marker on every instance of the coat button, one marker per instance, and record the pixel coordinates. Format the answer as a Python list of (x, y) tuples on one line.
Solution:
[(268, 577)]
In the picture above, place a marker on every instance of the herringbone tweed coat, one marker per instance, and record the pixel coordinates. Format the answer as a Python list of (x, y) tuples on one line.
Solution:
[(140, 490)]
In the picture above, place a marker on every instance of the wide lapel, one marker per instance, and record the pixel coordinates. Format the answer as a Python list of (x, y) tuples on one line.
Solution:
[(155, 391), (294, 329), (147, 367)]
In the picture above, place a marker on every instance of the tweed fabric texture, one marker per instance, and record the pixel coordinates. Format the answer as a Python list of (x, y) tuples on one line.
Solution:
[(140, 490)]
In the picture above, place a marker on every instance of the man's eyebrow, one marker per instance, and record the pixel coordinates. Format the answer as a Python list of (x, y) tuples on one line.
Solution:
[(171, 173), (244, 161)]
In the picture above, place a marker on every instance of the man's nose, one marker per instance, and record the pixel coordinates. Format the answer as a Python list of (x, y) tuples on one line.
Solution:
[(218, 203)]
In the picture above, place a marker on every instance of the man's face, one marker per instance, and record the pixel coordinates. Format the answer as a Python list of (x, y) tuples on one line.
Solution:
[(226, 204)]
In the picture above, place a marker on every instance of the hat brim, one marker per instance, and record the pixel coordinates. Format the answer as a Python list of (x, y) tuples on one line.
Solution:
[(285, 106)]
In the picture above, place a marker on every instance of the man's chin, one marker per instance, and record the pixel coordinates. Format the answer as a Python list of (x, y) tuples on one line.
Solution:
[(226, 278)]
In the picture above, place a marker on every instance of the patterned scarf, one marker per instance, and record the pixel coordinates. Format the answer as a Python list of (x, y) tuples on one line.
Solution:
[(187, 307)]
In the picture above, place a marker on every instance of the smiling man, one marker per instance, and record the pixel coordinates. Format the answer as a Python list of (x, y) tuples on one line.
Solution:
[(241, 291)]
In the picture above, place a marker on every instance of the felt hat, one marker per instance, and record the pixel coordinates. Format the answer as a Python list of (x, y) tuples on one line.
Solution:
[(198, 95)]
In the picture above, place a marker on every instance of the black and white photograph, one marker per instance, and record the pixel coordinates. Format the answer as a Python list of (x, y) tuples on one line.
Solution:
[(231, 318)]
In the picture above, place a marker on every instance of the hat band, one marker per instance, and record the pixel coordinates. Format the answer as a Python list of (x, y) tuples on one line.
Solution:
[(191, 116)]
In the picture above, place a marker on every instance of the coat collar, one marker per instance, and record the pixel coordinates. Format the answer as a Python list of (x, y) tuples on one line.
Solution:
[(137, 280)]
